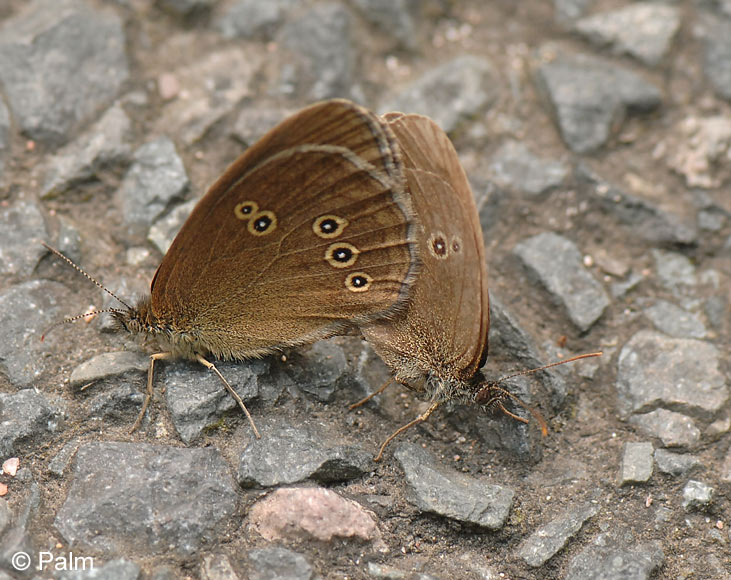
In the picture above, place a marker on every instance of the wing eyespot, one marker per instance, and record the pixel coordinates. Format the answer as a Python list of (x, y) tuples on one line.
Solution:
[(246, 210), (329, 226), (262, 223), (341, 255), (438, 247), (358, 282)]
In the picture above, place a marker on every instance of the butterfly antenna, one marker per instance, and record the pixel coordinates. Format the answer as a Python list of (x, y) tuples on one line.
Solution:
[(548, 366), (88, 277), (77, 317), (493, 394)]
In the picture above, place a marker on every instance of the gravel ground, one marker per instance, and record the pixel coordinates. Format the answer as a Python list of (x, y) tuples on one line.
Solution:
[(597, 137)]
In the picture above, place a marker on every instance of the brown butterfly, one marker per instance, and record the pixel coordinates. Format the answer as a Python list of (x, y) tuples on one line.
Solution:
[(308, 232), (439, 343)]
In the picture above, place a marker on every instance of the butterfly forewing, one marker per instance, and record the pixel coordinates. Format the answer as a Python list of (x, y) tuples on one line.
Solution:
[(290, 245)]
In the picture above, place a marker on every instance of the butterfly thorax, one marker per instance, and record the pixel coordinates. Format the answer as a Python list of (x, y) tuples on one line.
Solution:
[(141, 320)]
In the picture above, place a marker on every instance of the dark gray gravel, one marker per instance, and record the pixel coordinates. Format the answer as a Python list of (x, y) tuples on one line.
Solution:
[(290, 455), (453, 495), (136, 496), (51, 46), (556, 263), (590, 96), (156, 178), (549, 539), (637, 463)]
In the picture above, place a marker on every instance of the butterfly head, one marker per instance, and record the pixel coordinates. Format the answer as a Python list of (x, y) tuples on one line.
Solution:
[(490, 395), (136, 319)]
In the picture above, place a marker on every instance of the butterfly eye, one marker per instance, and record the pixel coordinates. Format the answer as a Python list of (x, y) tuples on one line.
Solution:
[(456, 245), (438, 246), (329, 226), (341, 255), (358, 282), (262, 223), (246, 209)]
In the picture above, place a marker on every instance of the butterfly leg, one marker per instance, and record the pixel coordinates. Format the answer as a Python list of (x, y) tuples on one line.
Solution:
[(420, 419), (380, 389), (210, 366), (148, 395)]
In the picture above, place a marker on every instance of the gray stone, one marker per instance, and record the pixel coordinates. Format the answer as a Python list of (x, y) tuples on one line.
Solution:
[(109, 364), (589, 97), (118, 403), (396, 18), (717, 55), (605, 560), (26, 311), (453, 495), (254, 18), (636, 465), (211, 92), (156, 179), (188, 10), (321, 40), (620, 289), (675, 271), (320, 369), (4, 136), (5, 516), (289, 454), (117, 383), (181, 498), (697, 495), (68, 241), (515, 167), (163, 231), (23, 230), (674, 321), (548, 540), (26, 416), (570, 9), (197, 398), (557, 263), (16, 537), (450, 92), (644, 30), (106, 145), (217, 567), (711, 220), (673, 429), (681, 373), (277, 563), (675, 464), (57, 466), (50, 49), (119, 569), (716, 308), (644, 218)]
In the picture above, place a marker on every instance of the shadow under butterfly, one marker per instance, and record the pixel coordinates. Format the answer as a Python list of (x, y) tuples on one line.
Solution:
[(438, 344), (307, 233)]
